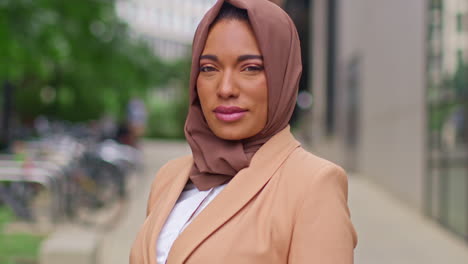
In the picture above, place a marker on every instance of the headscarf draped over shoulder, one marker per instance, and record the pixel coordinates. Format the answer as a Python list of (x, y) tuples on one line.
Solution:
[(217, 160)]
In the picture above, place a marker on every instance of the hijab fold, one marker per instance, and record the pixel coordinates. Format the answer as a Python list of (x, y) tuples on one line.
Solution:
[(217, 160)]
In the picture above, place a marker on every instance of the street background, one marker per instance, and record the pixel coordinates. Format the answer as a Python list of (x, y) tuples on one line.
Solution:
[(389, 231), (93, 99)]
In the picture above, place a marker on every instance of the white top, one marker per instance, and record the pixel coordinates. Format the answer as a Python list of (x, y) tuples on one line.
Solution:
[(190, 203)]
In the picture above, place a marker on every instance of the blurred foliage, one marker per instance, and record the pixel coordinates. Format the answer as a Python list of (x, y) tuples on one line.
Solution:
[(167, 116), (6, 216), (16, 246), (457, 84), (460, 81), (74, 60)]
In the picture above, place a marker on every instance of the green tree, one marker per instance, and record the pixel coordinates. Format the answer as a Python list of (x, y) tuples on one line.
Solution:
[(73, 60), (167, 118), (460, 81)]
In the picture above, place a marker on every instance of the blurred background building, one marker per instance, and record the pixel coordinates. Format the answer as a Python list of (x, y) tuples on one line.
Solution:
[(390, 86), (384, 93), (168, 25)]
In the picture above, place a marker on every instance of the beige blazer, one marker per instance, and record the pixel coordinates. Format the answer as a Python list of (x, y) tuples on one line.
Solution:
[(289, 206)]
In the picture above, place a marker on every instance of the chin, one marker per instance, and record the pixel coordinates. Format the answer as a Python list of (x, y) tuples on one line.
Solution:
[(231, 133)]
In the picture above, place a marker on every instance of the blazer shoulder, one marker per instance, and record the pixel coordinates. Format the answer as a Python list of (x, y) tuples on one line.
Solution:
[(306, 167), (166, 172), (164, 177), (306, 160), (179, 162)]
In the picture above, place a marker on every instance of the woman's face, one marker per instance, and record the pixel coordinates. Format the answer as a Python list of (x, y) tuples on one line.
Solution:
[(232, 85)]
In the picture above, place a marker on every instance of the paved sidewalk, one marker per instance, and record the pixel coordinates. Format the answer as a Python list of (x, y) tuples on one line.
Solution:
[(389, 232), (115, 247)]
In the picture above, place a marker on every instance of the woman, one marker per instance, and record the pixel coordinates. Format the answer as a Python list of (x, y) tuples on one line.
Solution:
[(248, 193)]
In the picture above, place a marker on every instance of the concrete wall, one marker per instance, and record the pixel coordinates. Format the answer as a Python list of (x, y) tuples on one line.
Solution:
[(388, 37), (322, 144)]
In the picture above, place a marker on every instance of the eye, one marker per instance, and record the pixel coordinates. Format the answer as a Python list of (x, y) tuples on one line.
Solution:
[(207, 69), (253, 68)]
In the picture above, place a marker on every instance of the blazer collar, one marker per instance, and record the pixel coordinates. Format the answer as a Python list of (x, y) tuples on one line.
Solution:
[(250, 180), (163, 204)]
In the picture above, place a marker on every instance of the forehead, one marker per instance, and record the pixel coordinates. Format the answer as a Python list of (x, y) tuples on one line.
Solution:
[(231, 36)]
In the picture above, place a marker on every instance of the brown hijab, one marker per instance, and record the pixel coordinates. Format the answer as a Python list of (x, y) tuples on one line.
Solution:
[(217, 160)]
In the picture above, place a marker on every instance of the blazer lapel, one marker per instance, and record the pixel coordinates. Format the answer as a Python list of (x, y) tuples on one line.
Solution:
[(240, 190), (163, 207)]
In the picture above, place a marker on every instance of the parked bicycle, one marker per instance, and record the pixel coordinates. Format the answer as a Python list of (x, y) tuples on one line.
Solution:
[(83, 174)]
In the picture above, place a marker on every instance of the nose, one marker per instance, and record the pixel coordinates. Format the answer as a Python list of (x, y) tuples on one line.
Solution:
[(227, 87)]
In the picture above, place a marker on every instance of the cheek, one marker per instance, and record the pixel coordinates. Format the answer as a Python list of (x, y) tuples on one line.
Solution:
[(264, 109), (260, 95), (203, 93)]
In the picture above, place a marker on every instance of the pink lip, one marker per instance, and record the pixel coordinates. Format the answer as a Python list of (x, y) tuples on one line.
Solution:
[(229, 113)]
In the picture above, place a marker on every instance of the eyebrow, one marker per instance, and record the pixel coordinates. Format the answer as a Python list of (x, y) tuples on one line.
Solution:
[(209, 57), (239, 59), (249, 57)]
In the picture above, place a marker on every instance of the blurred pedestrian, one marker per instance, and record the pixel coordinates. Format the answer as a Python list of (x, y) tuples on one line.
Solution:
[(125, 136), (108, 127), (136, 117), (248, 193)]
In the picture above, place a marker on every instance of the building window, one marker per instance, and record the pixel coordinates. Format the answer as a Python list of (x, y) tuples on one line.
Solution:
[(460, 57), (460, 22), (447, 131), (331, 66)]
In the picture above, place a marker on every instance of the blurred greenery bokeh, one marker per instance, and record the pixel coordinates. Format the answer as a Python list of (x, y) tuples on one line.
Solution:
[(16, 247), (77, 61), (453, 86)]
